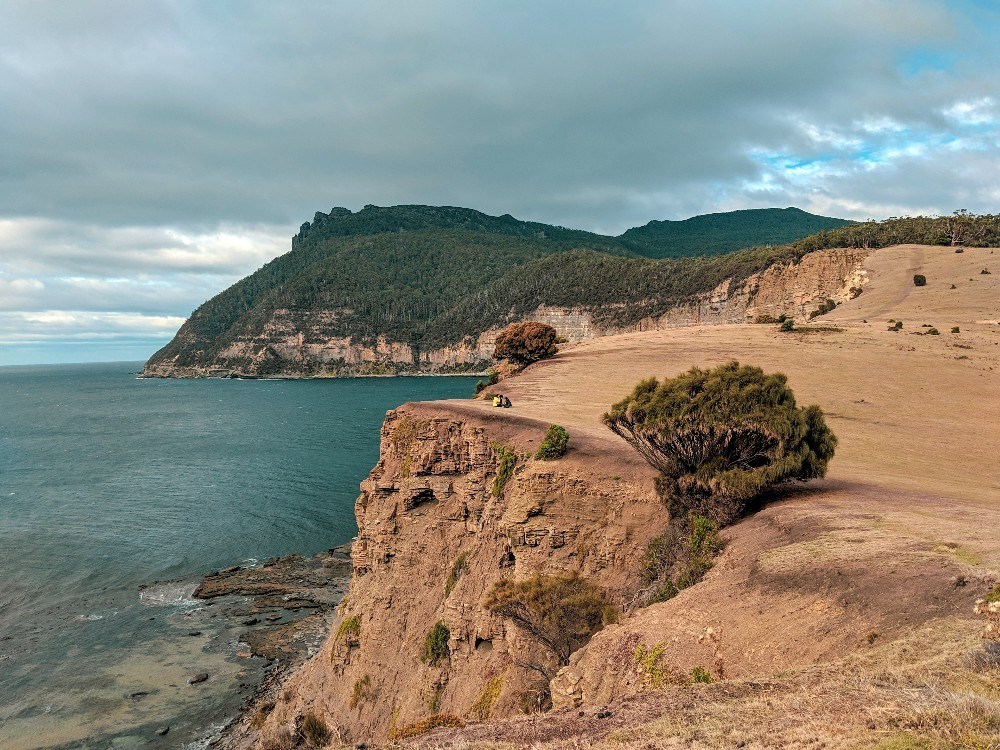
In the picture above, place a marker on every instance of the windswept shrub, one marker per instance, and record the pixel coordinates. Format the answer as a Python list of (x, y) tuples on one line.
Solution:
[(560, 612), (524, 343), (956, 329), (436, 648), (787, 325), (554, 444), (720, 438), (919, 279)]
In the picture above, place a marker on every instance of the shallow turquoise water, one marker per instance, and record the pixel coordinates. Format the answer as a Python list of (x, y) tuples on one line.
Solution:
[(109, 482)]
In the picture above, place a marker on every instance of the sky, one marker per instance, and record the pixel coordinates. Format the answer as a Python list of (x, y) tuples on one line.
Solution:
[(153, 152)]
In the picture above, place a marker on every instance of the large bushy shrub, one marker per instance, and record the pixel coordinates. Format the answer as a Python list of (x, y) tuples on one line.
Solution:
[(560, 612), (722, 437), (526, 342)]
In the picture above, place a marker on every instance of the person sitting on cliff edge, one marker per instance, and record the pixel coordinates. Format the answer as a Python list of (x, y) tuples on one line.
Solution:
[(497, 401)]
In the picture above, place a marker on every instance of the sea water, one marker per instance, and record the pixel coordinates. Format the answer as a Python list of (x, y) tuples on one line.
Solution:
[(109, 483)]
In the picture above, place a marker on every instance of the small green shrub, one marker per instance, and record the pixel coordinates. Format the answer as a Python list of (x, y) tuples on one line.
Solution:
[(919, 279), (435, 648), (955, 329), (314, 730), (506, 461), (493, 379), (648, 662), (680, 557), (787, 325), (994, 595), (456, 572), (350, 630), (554, 444), (933, 332), (700, 675)]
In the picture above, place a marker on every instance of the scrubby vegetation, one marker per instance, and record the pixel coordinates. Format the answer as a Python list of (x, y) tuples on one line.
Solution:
[(435, 649), (350, 630), (560, 612), (525, 342), (919, 279), (362, 692), (506, 461), (649, 664), (423, 726), (554, 443), (313, 730), (679, 558), (720, 438), (825, 306)]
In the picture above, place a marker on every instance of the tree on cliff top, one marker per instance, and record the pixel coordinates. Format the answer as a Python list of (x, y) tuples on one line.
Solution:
[(722, 437), (526, 342)]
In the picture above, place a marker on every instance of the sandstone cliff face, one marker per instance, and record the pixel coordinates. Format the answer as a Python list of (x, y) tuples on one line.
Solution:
[(428, 504), (296, 346)]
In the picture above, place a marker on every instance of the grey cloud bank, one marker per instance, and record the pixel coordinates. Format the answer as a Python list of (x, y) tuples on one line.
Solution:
[(153, 153)]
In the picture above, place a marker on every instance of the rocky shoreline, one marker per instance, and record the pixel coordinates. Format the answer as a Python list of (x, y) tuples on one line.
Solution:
[(287, 605)]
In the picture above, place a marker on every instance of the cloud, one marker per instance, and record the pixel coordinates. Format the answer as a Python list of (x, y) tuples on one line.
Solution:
[(150, 152)]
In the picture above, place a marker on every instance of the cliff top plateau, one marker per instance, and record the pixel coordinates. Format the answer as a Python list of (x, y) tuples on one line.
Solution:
[(838, 616)]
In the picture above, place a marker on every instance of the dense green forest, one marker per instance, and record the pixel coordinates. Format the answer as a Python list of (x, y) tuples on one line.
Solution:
[(429, 276), (715, 234)]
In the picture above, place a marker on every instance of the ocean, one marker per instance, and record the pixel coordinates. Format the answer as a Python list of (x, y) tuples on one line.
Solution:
[(109, 483)]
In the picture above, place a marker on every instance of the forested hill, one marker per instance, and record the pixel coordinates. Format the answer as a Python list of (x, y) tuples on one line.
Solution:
[(710, 234), (432, 277), (713, 234)]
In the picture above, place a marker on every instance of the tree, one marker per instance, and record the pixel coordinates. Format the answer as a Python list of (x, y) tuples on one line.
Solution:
[(526, 342), (722, 437), (560, 612)]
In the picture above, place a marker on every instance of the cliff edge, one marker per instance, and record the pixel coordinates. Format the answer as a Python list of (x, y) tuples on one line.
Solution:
[(841, 613)]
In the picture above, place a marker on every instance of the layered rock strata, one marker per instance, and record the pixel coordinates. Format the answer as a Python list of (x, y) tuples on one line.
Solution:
[(434, 537), (295, 344)]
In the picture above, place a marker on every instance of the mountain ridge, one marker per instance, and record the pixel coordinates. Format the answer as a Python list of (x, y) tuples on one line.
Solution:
[(394, 282)]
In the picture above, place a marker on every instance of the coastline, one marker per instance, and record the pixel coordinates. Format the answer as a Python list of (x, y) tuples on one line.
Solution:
[(287, 605)]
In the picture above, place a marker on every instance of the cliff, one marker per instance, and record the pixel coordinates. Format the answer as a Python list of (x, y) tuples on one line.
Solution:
[(296, 343), (841, 613), (434, 537)]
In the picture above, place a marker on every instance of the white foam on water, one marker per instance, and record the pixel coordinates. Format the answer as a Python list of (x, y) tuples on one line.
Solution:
[(169, 594), (213, 733)]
